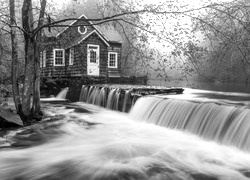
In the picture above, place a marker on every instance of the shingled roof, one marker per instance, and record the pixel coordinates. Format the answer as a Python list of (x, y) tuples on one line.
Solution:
[(109, 32), (91, 11)]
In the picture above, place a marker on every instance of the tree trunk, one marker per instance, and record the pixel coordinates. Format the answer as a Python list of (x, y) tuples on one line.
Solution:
[(36, 106), (29, 51), (29, 77), (14, 71), (36, 93)]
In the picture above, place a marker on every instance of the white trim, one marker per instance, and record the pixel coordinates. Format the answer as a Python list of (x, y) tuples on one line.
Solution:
[(97, 52), (94, 31), (83, 15), (71, 59), (79, 29), (44, 58), (91, 65), (71, 24), (54, 57), (116, 59), (41, 59)]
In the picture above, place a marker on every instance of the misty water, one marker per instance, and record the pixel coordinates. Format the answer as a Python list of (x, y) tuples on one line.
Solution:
[(82, 141)]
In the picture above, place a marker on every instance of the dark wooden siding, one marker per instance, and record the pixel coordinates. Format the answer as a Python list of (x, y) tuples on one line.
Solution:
[(71, 37), (115, 72), (48, 70), (80, 64), (79, 67)]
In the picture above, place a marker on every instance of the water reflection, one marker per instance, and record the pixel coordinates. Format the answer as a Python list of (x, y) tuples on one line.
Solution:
[(219, 97), (212, 86)]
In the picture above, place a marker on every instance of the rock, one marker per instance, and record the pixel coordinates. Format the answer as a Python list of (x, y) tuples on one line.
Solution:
[(199, 176), (10, 117)]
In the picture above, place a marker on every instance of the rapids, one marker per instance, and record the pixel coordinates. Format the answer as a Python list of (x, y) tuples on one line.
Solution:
[(160, 139), (223, 123), (78, 141), (63, 93)]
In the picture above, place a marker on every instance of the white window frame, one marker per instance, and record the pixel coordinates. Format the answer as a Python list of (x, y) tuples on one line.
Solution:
[(54, 57), (97, 50), (41, 59), (116, 59), (44, 58), (79, 29), (71, 56)]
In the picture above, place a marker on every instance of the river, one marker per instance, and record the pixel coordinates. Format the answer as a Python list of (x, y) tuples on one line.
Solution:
[(79, 141)]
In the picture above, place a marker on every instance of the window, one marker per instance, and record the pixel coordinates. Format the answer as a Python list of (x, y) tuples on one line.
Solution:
[(93, 53), (44, 58), (58, 57), (112, 60), (82, 29), (41, 59), (71, 56), (92, 56)]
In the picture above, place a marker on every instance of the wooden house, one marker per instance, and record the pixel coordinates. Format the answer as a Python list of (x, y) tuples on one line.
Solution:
[(82, 49)]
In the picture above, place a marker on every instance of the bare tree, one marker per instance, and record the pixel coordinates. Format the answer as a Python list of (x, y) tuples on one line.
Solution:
[(137, 23), (226, 29), (14, 53)]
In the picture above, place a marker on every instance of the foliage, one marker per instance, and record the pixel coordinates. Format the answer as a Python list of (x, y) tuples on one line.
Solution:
[(162, 39), (159, 41), (5, 65), (226, 31)]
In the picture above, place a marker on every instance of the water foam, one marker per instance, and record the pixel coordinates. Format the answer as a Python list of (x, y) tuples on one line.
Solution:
[(222, 123), (110, 146)]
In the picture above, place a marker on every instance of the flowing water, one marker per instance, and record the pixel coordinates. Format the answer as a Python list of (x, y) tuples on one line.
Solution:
[(225, 124), (111, 98), (63, 93), (120, 97), (79, 141)]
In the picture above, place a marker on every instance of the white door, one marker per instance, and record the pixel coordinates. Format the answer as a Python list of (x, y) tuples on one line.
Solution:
[(93, 68)]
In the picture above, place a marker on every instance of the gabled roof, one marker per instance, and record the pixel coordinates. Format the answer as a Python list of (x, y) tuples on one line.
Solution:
[(107, 31), (91, 9), (80, 40), (91, 34), (72, 23)]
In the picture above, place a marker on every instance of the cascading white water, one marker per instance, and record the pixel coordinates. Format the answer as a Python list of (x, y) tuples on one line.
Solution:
[(113, 99), (127, 101), (107, 145), (83, 94), (225, 124), (118, 97), (63, 93), (101, 96), (102, 101)]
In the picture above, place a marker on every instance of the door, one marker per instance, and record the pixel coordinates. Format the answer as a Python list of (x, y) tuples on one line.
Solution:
[(93, 68)]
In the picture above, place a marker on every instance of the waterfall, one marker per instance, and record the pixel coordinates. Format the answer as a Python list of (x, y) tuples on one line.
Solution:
[(110, 98), (63, 93), (113, 99), (228, 125), (120, 97), (73, 143), (84, 93), (127, 101)]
